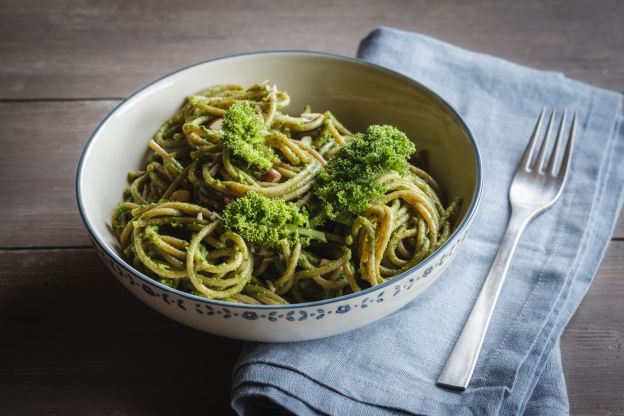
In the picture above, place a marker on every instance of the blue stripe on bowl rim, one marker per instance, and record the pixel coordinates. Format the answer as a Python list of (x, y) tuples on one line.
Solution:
[(366, 292)]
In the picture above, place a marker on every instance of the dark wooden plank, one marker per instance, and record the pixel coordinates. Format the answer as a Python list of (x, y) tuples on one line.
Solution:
[(103, 49), (593, 343), (75, 342), (42, 142)]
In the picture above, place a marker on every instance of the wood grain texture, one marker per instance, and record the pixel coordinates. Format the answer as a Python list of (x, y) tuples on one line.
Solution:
[(38, 163), (79, 343), (107, 49), (74, 342), (593, 344), (42, 142)]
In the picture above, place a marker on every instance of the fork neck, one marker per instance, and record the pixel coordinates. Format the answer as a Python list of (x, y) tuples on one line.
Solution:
[(520, 217)]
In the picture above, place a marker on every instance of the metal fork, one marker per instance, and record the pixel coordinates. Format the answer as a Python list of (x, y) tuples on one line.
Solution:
[(533, 190)]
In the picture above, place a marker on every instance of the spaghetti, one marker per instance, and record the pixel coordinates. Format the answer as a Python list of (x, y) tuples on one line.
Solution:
[(231, 206)]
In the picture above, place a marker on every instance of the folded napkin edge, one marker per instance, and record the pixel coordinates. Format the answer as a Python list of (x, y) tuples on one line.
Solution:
[(417, 401)]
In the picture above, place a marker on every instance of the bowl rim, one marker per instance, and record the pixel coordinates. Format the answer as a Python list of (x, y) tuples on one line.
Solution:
[(465, 223)]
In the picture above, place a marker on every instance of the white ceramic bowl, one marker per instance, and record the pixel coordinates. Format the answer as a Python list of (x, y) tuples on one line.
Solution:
[(359, 94)]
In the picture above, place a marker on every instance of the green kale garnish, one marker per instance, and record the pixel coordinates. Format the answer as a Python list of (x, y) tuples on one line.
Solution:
[(265, 222), (244, 136), (346, 186)]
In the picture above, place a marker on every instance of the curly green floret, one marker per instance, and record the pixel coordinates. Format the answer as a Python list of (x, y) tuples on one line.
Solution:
[(243, 135), (265, 222), (347, 186)]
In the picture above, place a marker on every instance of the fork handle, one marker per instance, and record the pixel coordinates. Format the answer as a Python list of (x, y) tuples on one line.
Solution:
[(461, 363)]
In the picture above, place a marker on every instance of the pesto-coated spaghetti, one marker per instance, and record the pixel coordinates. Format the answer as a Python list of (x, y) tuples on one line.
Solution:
[(243, 203)]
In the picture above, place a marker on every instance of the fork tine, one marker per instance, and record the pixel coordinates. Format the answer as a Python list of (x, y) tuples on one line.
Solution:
[(568, 150), (541, 156), (556, 148), (528, 152)]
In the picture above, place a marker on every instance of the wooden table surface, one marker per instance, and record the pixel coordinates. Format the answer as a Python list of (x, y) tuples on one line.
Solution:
[(73, 341)]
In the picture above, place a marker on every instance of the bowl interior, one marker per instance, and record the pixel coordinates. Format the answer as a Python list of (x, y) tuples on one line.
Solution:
[(358, 94)]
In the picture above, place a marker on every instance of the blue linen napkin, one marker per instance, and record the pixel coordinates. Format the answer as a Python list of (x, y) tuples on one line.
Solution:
[(390, 367)]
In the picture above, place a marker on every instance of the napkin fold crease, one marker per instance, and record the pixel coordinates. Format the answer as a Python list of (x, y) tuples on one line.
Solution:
[(390, 367)]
